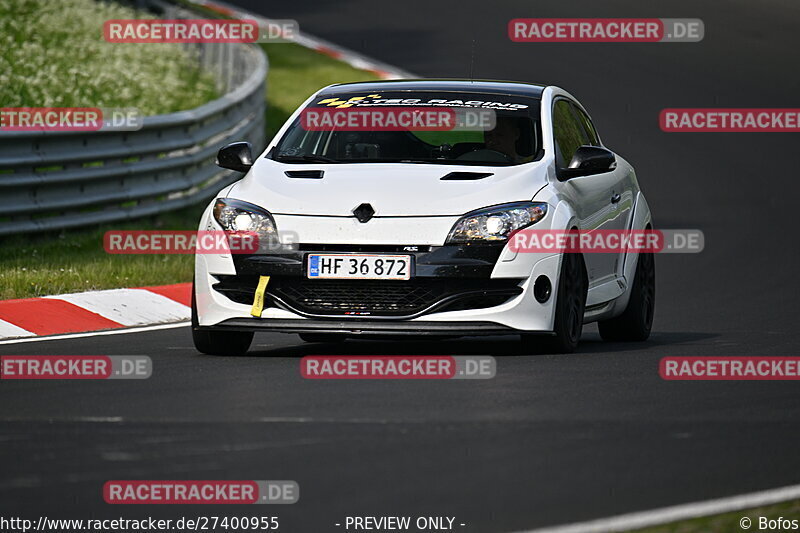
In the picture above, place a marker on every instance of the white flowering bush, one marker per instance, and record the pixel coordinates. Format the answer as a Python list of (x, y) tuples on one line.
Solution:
[(52, 54)]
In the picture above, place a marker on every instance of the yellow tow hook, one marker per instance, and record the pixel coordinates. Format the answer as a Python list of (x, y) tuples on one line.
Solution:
[(258, 301)]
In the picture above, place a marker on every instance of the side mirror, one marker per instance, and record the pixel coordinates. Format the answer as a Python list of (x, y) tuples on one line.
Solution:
[(589, 160), (236, 156)]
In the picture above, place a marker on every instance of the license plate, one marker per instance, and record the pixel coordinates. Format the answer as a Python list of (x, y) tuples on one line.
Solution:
[(359, 266)]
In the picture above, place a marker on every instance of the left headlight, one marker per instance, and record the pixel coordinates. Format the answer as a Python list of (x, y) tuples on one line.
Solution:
[(239, 216), (496, 223)]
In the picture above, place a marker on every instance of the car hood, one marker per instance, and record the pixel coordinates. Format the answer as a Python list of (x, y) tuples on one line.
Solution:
[(392, 189)]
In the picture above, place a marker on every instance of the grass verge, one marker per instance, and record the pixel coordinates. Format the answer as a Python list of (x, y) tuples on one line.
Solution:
[(53, 54), (74, 261), (732, 522)]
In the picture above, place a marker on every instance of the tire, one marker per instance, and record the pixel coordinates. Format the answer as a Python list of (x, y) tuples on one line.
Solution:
[(322, 337), (211, 342), (569, 308), (635, 323)]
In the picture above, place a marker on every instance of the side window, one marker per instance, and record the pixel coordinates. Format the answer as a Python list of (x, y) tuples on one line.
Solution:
[(567, 132), (588, 127)]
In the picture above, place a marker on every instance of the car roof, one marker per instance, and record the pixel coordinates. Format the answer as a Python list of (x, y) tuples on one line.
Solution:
[(508, 88)]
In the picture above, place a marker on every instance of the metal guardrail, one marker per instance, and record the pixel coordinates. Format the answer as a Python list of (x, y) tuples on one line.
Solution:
[(55, 180)]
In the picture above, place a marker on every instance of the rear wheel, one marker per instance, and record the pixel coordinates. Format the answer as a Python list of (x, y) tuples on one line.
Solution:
[(569, 308), (322, 337), (637, 320), (214, 342)]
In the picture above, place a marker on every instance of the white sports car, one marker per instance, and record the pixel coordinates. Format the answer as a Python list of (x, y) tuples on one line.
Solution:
[(403, 231)]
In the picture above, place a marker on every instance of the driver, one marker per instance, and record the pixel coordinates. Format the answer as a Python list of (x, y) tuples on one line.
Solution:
[(503, 138)]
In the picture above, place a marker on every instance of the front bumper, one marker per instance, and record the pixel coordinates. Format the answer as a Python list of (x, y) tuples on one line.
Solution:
[(455, 290), (456, 277), (501, 281)]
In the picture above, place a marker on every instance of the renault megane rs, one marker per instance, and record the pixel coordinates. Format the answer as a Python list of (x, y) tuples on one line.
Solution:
[(384, 228)]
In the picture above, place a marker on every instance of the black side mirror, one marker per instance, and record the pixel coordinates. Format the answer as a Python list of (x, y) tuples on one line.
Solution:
[(236, 156), (589, 160)]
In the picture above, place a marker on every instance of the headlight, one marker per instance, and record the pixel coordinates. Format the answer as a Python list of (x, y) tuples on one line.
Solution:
[(496, 223), (238, 216)]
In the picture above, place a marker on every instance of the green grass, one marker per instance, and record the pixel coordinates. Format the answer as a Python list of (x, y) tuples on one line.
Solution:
[(75, 260), (729, 522), (38, 265), (53, 54)]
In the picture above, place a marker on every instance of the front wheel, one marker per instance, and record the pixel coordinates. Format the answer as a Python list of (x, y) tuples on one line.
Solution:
[(637, 320), (213, 342), (569, 307)]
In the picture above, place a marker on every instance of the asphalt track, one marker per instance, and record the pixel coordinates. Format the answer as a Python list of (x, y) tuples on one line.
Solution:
[(552, 439)]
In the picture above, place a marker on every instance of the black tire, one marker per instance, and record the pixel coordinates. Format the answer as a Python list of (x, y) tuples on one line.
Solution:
[(635, 323), (569, 308), (322, 337), (213, 342)]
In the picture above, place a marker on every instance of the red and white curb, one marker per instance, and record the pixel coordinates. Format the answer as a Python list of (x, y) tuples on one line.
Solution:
[(95, 311), (354, 59)]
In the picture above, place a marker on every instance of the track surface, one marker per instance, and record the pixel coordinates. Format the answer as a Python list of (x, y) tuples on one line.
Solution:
[(552, 439)]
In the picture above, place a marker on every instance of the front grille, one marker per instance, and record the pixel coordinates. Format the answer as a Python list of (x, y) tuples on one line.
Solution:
[(378, 297), (374, 297)]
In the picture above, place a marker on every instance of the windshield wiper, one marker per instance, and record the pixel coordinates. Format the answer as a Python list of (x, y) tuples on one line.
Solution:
[(310, 158)]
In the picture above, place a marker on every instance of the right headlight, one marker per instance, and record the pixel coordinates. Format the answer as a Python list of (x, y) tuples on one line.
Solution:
[(497, 223), (238, 216)]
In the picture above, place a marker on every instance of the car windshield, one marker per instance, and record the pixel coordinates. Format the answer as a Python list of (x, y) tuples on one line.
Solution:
[(414, 127)]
